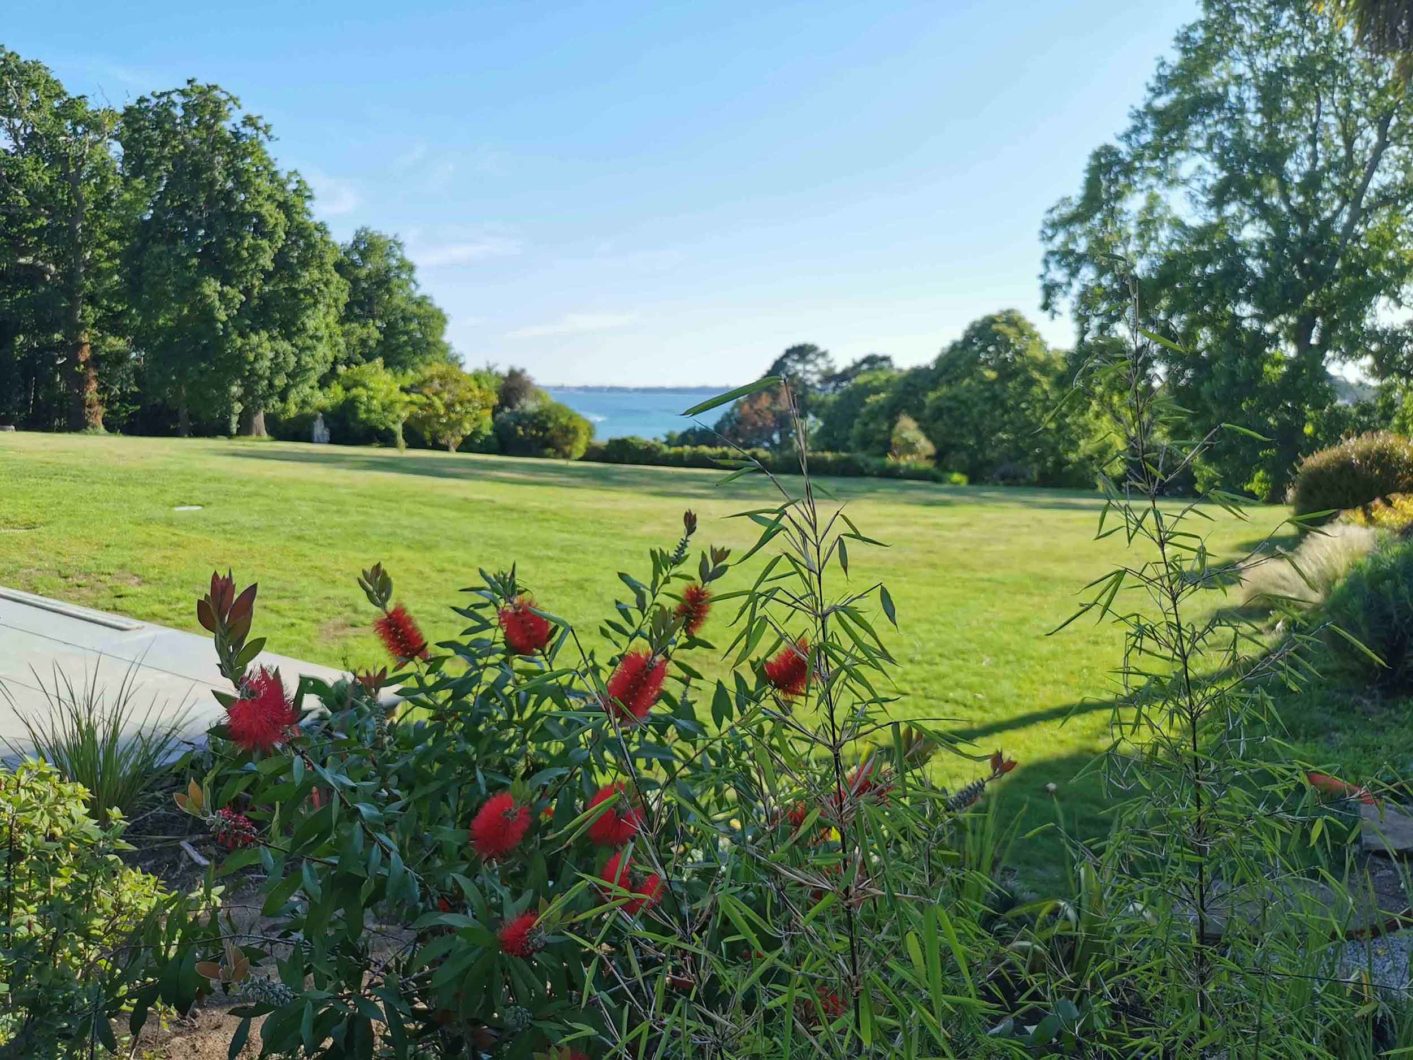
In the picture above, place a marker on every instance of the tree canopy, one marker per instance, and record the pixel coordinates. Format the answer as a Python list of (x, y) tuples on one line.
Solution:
[(231, 283), (387, 317), (59, 206), (1260, 202)]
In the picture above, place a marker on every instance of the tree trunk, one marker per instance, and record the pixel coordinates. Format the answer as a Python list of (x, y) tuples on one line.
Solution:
[(85, 407), (252, 423), (85, 410), (183, 416), (11, 385)]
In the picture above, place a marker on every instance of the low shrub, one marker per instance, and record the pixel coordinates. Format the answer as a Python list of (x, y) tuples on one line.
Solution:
[(1305, 577), (1354, 474), (651, 453), (1372, 612), (84, 938), (544, 429)]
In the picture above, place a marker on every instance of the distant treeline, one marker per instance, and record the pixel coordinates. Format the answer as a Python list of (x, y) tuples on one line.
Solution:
[(1249, 232), (159, 274), (996, 406)]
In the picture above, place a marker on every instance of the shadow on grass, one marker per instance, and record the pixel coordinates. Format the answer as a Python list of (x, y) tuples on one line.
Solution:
[(652, 480)]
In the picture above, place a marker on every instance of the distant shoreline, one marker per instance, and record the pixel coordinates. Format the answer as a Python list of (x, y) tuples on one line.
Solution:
[(639, 389)]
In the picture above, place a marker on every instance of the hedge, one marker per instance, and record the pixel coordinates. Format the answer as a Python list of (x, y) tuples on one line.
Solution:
[(633, 450)]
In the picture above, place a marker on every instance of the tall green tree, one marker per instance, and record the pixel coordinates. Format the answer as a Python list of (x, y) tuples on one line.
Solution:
[(1261, 195), (233, 288), (806, 367), (839, 412), (387, 317), (996, 410), (59, 225), (293, 323)]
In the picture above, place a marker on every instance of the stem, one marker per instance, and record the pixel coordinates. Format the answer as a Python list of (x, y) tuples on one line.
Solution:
[(812, 544)]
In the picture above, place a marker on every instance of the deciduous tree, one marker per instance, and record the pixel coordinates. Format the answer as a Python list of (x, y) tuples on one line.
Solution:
[(387, 317), (233, 288), (1260, 196), (59, 225)]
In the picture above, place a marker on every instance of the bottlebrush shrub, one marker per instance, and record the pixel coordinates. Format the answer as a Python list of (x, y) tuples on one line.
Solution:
[(538, 847)]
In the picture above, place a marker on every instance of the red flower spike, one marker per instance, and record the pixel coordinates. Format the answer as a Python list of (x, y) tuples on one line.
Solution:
[(522, 936), (618, 870), (233, 830), (499, 826), (789, 672), (834, 1006), (525, 631), (1001, 765), (1328, 785), (694, 608), (635, 686), (617, 824), (796, 815), (261, 718), (401, 636), (649, 893)]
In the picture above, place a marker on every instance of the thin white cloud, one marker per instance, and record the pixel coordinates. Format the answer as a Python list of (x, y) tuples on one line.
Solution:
[(462, 252), (411, 157), (575, 324), (333, 196)]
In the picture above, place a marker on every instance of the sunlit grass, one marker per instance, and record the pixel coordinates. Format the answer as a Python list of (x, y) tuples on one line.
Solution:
[(980, 575)]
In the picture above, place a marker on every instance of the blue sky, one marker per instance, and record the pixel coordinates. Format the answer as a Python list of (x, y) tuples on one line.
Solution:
[(665, 193)]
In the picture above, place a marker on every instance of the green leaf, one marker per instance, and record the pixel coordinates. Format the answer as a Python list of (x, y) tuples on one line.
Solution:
[(887, 601), (763, 383), (238, 1039)]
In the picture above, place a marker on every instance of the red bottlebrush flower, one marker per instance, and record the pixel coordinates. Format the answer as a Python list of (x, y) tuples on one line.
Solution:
[(789, 672), (694, 608), (525, 631), (617, 824), (499, 826), (618, 871), (401, 636), (635, 686), (834, 1006), (649, 893), (1328, 785), (522, 936), (864, 784), (316, 799), (232, 830), (261, 718), (796, 815), (1001, 765)]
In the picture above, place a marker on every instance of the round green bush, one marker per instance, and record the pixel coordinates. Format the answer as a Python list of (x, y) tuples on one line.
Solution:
[(1354, 473), (1373, 609), (544, 429)]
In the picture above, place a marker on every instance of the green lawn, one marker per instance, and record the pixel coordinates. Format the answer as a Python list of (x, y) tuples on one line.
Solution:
[(980, 575)]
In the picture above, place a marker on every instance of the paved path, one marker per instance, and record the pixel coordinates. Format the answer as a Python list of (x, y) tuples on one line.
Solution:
[(175, 671)]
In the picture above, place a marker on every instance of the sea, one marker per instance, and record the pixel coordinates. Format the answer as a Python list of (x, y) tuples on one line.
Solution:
[(648, 412)]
